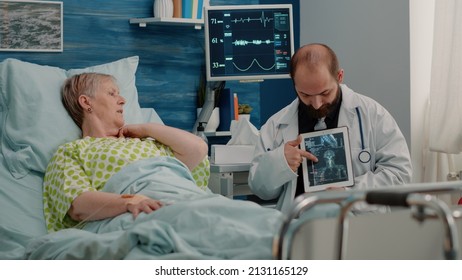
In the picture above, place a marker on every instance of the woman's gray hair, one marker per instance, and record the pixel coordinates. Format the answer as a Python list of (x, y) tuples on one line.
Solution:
[(77, 85)]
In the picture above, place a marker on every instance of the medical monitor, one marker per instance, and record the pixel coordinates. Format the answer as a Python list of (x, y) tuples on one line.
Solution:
[(248, 42)]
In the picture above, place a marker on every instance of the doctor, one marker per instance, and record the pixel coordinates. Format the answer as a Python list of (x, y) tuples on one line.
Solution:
[(379, 150)]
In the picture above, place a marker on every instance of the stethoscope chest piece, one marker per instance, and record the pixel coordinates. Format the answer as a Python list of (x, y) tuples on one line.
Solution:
[(364, 156)]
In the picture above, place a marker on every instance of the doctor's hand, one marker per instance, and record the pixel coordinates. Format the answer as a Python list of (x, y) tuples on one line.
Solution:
[(294, 155)]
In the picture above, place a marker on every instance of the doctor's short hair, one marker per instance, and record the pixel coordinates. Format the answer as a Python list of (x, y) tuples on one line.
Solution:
[(77, 85), (313, 56)]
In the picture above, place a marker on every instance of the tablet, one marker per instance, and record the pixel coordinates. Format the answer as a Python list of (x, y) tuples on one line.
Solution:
[(334, 167)]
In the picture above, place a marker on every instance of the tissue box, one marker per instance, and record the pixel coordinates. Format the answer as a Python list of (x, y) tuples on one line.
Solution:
[(228, 154)]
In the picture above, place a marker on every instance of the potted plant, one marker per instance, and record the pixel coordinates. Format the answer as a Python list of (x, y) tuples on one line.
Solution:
[(244, 111)]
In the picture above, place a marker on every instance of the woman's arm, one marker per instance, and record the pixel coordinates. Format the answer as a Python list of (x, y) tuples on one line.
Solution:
[(187, 147), (95, 205)]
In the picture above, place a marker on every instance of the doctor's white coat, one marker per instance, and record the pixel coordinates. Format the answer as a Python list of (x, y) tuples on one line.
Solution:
[(270, 176)]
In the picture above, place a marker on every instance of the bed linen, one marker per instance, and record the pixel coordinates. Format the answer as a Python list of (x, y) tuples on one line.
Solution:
[(193, 224), (21, 216)]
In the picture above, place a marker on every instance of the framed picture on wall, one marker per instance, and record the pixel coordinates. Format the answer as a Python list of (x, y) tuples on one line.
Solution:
[(31, 26)]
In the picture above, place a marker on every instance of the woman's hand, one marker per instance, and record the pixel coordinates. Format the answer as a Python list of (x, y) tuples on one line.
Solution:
[(139, 203), (134, 131), (98, 205)]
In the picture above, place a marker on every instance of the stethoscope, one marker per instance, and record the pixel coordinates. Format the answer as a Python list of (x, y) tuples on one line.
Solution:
[(364, 156)]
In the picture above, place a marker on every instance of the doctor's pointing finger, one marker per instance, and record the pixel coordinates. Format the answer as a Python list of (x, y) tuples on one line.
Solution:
[(294, 155)]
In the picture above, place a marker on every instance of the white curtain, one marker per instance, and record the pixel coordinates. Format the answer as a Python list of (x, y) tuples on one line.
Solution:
[(443, 128), (445, 122), (436, 165)]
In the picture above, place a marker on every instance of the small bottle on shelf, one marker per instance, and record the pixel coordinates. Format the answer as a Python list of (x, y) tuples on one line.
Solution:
[(200, 132)]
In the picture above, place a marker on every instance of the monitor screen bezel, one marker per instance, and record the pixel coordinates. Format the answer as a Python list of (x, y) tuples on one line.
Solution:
[(244, 7)]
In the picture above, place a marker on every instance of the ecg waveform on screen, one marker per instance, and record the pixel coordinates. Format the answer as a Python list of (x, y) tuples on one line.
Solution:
[(251, 64), (253, 42), (264, 20)]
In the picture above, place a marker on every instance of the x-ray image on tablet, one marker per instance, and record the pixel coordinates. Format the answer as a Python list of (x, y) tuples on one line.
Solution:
[(334, 167)]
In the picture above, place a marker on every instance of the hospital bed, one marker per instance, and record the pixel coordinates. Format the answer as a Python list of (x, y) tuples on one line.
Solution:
[(420, 226)]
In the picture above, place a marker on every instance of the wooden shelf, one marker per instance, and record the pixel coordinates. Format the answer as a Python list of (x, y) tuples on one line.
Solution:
[(143, 22)]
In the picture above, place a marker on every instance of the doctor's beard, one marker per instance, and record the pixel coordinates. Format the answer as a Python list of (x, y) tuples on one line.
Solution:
[(322, 111)]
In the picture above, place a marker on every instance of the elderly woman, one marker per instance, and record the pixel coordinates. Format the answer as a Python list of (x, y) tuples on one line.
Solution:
[(139, 191), (79, 169)]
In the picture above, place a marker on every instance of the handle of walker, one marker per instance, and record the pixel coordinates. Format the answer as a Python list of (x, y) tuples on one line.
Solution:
[(450, 244), (387, 198)]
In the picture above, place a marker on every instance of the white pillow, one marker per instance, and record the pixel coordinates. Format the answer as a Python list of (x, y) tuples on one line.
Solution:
[(124, 71), (34, 121)]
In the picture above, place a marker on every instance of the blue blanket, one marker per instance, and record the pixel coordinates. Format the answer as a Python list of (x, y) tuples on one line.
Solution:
[(194, 224)]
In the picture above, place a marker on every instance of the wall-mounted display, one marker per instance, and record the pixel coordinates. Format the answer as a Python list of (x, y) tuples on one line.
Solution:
[(248, 42)]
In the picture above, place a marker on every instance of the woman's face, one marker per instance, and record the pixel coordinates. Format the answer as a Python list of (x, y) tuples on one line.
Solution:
[(108, 105)]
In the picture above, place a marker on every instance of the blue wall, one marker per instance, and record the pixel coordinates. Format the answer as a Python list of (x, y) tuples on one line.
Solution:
[(171, 57)]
